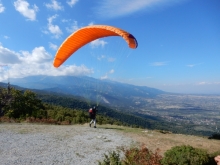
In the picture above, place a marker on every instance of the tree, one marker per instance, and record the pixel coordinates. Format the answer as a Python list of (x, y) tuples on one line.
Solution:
[(5, 98), (23, 104), (31, 104)]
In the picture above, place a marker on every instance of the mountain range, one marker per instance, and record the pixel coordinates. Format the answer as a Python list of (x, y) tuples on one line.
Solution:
[(106, 92)]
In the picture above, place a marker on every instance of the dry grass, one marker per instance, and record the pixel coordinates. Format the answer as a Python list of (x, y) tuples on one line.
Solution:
[(164, 141)]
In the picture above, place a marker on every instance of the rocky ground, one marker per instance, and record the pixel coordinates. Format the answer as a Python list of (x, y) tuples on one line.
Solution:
[(34, 144)]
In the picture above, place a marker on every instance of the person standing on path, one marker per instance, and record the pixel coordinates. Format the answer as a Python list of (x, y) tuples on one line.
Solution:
[(92, 115)]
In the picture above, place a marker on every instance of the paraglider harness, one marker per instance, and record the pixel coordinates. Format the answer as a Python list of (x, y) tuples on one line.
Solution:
[(92, 112)]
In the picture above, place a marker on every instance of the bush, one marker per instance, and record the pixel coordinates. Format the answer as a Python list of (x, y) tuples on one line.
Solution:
[(113, 158), (185, 155), (133, 156), (141, 156)]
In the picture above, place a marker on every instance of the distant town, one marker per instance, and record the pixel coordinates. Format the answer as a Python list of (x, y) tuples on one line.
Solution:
[(203, 111)]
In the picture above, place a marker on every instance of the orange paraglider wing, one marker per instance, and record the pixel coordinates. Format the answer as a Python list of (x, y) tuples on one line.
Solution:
[(87, 34)]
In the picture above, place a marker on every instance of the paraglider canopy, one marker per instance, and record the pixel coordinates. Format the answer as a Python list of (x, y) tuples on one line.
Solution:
[(87, 34)]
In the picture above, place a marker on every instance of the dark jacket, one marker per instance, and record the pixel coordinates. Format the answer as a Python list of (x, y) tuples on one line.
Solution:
[(92, 114)]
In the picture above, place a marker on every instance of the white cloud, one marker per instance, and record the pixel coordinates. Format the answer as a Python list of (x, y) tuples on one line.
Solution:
[(193, 65), (36, 62), (2, 8), (6, 37), (91, 23), (112, 71), (53, 46), (54, 29), (159, 63), (208, 83), (73, 27), (115, 8), (8, 57), (38, 55), (98, 43), (72, 70), (203, 87), (106, 75), (71, 3), (110, 59), (54, 5), (101, 57), (202, 83), (65, 20), (22, 7)]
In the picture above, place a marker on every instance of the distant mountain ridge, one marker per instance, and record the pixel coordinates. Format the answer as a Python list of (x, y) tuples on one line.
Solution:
[(103, 91)]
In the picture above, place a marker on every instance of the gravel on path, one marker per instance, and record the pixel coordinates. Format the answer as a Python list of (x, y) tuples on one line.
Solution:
[(34, 144)]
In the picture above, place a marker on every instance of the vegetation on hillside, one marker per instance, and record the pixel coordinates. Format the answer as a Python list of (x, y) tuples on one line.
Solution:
[(26, 106), (38, 105), (178, 155)]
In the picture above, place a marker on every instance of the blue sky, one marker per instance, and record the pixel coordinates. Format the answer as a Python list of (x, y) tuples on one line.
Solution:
[(178, 41)]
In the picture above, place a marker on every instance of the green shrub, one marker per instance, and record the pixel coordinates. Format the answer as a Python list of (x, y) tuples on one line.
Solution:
[(113, 158), (185, 155)]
